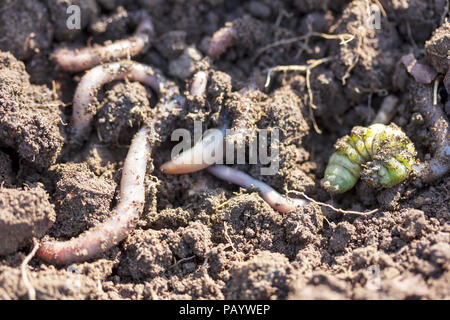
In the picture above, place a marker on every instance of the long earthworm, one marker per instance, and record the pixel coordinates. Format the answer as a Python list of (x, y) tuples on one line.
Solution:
[(75, 60), (437, 122), (108, 234), (271, 196), (83, 112)]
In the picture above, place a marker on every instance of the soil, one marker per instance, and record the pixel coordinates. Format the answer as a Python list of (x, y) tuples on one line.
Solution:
[(198, 237)]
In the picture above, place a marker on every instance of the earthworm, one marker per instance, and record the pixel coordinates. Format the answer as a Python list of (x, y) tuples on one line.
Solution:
[(75, 60), (222, 39), (83, 111), (193, 159), (108, 234), (437, 122), (271, 196)]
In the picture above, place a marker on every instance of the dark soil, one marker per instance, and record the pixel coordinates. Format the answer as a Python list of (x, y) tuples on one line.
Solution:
[(198, 237)]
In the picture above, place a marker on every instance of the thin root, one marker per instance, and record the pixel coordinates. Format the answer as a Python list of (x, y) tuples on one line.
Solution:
[(330, 206), (23, 267)]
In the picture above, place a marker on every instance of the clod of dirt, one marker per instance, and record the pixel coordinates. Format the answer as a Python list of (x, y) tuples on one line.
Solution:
[(183, 67), (7, 176), (416, 20), (123, 110), (219, 86), (151, 253), (24, 214), (328, 95), (341, 236), (440, 253), (369, 57), (319, 286), (82, 200), (414, 223), (30, 120), (303, 225), (61, 18), (171, 44), (364, 257), (195, 239), (263, 277), (49, 284), (25, 27), (437, 48), (147, 254)]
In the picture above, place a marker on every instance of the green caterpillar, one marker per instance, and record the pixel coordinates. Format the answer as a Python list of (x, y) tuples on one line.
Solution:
[(381, 155)]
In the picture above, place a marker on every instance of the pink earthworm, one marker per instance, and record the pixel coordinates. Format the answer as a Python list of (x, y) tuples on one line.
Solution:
[(83, 112), (437, 122), (75, 60), (222, 39), (197, 157), (271, 196), (108, 234)]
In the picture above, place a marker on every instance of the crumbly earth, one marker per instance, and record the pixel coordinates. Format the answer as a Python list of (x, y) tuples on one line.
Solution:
[(198, 237)]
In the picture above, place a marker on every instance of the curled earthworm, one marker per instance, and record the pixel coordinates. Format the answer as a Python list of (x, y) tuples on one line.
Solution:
[(437, 122), (83, 111), (108, 234), (75, 60), (222, 39), (382, 155), (272, 197)]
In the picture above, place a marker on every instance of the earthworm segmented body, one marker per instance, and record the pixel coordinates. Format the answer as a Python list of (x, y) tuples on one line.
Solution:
[(108, 234), (382, 155), (83, 111), (437, 122), (272, 197), (75, 60), (221, 40)]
